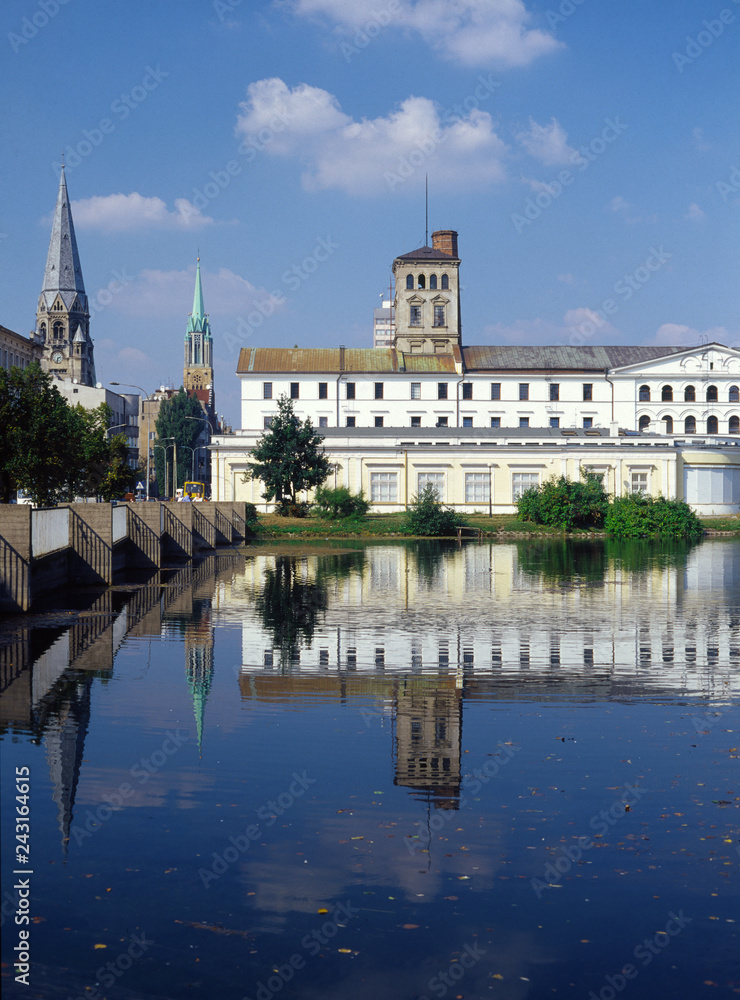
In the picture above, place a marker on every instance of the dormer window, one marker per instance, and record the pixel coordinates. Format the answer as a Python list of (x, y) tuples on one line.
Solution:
[(422, 282), (409, 281), (445, 281), (433, 281)]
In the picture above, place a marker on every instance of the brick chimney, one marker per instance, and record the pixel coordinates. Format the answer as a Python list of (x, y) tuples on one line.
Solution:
[(446, 241)]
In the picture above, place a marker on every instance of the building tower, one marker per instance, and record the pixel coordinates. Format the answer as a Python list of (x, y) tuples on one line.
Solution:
[(198, 371), (63, 318), (427, 302)]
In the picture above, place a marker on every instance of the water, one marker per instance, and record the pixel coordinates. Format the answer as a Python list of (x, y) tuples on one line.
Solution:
[(396, 771)]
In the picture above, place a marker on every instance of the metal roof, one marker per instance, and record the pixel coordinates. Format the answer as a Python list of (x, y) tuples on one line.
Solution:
[(337, 361), (561, 358), (426, 253), (63, 274)]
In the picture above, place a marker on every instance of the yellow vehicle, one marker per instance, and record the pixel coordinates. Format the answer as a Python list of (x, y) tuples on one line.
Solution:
[(194, 491)]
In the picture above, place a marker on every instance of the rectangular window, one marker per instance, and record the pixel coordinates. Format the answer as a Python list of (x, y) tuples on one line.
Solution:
[(554, 392), (323, 421), (588, 422), (554, 421), (350, 421), (416, 421), (383, 487), (495, 421), (467, 421), (521, 481), (378, 421), (495, 390), (467, 390), (267, 390), (323, 390), (477, 487), (416, 390), (378, 390), (588, 391), (350, 390), (441, 390), (439, 316), (441, 421), (294, 390), (435, 479), (415, 316), (639, 482), (267, 423), (524, 390), (524, 421)]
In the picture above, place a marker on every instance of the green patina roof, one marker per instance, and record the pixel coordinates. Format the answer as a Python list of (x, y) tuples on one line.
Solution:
[(198, 321)]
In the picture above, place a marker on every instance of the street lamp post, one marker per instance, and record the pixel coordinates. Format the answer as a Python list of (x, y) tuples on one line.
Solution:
[(192, 460), (154, 447), (131, 385), (207, 422), (174, 473)]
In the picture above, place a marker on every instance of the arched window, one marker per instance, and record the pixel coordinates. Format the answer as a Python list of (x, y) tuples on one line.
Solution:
[(644, 423), (689, 425), (422, 283), (42, 331), (666, 394), (689, 394), (734, 425), (712, 394), (668, 421), (58, 331), (644, 394), (432, 281), (734, 394), (712, 426), (409, 281), (445, 281)]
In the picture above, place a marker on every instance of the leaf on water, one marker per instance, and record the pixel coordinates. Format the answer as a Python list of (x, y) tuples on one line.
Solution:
[(322, 909), (409, 927), (100, 946)]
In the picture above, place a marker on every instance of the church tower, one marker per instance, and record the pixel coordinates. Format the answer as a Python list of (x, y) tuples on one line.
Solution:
[(427, 303), (198, 371), (62, 317)]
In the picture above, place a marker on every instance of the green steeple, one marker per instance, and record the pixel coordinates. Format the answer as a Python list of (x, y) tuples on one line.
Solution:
[(198, 321)]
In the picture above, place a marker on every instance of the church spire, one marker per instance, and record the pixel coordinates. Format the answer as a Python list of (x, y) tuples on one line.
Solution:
[(63, 273), (198, 319)]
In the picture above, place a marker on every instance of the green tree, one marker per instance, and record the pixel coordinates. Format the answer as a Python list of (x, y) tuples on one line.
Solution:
[(639, 515), (288, 458), (427, 515), (174, 422), (561, 502), (118, 477)]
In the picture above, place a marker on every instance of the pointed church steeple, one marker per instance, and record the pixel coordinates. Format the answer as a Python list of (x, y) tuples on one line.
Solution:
[(63, 307), (198, 319), (198, 371)]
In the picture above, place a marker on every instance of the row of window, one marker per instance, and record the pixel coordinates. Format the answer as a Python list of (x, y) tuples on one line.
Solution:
[(439, 316), (57, 331), (466, 422), (689, 425), (442, 390), (689, 394), (421, 281), (10, 360), (384, 485)]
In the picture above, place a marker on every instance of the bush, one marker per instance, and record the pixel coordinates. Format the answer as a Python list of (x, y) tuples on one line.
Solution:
[(638, 515), (340, 503), (565, 503), (427, 515), (291, 508)]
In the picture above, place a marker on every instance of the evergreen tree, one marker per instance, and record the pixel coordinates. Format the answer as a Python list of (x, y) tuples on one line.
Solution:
[(288, 459), (173, 422)]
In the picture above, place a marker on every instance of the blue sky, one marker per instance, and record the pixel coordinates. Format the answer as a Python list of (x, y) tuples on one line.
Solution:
[(588, 154)]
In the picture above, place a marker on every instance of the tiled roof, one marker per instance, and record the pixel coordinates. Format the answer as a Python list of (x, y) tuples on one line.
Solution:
[(426, 253), (538, 358), (277, 360)]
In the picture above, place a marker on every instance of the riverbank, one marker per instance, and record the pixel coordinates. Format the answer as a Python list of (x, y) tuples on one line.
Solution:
[(391, 526)]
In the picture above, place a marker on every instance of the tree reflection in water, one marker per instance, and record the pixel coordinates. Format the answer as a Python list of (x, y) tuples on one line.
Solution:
[(564, 560)]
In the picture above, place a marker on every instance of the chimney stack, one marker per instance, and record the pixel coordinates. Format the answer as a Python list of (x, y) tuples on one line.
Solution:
[(446, 241)]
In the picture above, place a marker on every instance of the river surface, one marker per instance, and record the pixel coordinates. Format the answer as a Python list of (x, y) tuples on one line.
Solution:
[(393, 771)]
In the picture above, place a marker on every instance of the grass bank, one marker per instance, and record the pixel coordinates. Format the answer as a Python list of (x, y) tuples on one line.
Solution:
[(391, 525)]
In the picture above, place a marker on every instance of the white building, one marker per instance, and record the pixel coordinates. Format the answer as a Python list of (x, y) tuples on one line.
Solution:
[(384, 327)]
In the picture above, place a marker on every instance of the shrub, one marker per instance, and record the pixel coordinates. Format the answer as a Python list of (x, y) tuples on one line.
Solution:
[(339, 502), (565, 503), (638, 515), (428, 516)]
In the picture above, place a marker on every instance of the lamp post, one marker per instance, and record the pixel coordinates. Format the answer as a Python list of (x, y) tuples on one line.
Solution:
[(174, 473), (154, 447), (130, 385), (192, 459), (207, 422)]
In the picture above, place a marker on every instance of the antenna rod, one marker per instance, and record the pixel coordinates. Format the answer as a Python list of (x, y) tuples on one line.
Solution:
[(426, 204)]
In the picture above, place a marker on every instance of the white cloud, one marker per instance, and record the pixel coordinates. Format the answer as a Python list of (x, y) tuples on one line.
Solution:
[(370, 156), (580, 327), (694, 213), (128, 212), (676, 334), (619, 204), (546, 143), (567, 279), (471, 32)]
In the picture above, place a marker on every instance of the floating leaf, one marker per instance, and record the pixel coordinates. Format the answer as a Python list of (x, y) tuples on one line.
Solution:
[(101, 946)]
